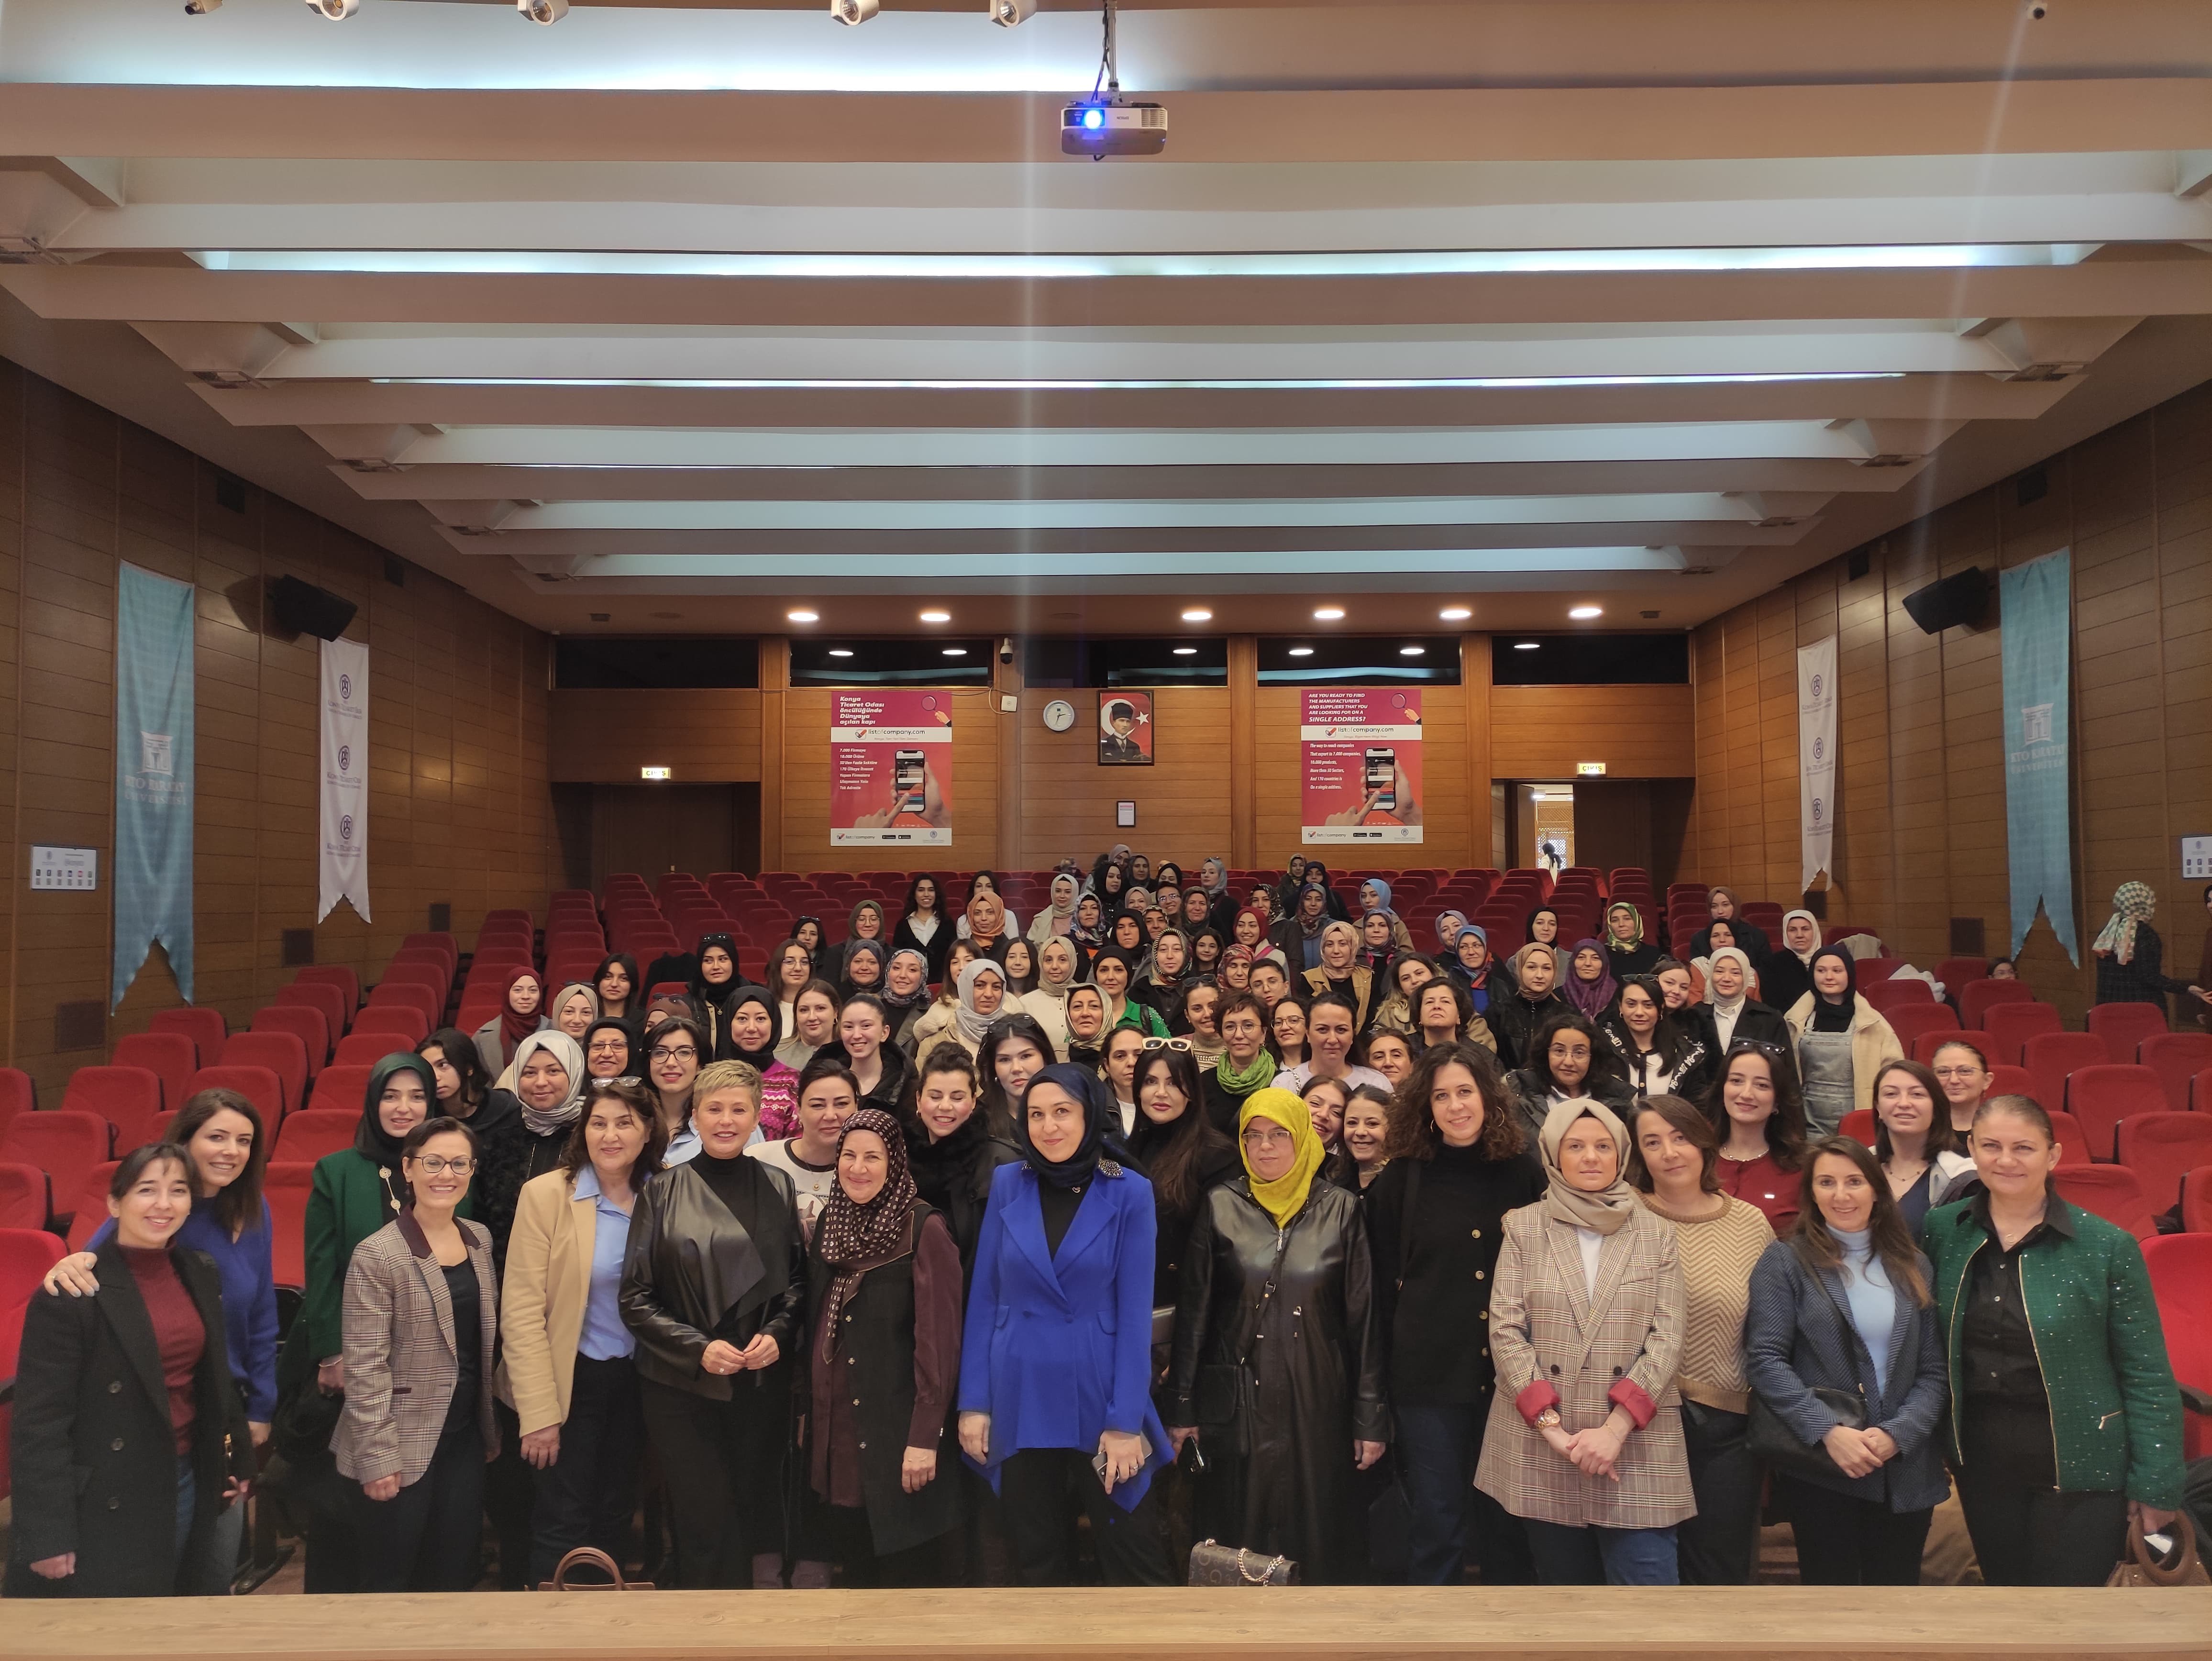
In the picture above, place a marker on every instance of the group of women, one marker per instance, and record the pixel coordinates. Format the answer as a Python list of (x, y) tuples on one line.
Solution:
[(1380, 1262)]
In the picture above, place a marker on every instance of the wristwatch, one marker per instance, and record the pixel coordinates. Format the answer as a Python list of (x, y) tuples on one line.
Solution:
[(1549, 1419)]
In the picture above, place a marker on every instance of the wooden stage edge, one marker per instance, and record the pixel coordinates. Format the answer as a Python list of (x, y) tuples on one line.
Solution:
[(1790, 1623)]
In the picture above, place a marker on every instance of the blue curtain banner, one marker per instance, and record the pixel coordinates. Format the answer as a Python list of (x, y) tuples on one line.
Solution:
[(153, 777), (2035, 608)]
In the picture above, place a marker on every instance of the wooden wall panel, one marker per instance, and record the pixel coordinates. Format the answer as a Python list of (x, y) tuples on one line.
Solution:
[(708, 737), (1638, 731), (458, 810), (1920, 829), (1183, 799)]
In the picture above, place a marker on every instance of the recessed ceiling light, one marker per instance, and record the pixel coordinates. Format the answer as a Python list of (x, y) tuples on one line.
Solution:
[(1454, 614), (937, 617), (1584, 613), (1413, 651), (839, 652), (1198, 614), (956, 651), (1327, 613), (804, 617), (1302, 651), (1524, 645), (1185, 651)]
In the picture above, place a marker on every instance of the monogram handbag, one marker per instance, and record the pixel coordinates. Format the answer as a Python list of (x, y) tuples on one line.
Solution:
[(2140, 1567), (592, 1557), (1213, 1564)]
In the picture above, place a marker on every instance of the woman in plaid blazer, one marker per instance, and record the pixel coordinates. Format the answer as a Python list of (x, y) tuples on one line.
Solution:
[(422, 1315), (1584, 1443)]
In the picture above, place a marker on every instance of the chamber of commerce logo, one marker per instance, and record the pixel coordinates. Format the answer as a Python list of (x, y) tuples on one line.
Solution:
[(155, 753), (2035, 723)]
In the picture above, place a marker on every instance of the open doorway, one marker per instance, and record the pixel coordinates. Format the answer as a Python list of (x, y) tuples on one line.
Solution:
[(1539, 823)]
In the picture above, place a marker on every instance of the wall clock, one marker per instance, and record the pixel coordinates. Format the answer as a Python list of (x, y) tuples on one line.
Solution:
[(1059, 716)]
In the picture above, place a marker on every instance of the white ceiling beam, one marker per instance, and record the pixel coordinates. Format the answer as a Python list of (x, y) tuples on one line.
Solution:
[(2055, 347), (763, 571), (2192, 174)]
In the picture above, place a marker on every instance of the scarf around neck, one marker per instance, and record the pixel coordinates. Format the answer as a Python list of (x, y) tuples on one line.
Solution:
[(852, 1238), (1261, 1072), (547, 1121), (1285, 1197)]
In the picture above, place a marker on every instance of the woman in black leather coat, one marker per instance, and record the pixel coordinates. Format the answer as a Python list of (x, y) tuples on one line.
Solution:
[(714, 1287), (1278, 1367)]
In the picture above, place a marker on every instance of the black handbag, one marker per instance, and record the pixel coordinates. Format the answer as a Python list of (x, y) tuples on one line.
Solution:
[(1777, 1445)]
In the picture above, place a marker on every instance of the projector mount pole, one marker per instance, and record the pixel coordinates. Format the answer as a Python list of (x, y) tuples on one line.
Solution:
[(1109, 72)]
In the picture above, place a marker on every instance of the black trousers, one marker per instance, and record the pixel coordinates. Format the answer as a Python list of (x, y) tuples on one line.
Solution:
[(2026, 1531), (428, 1536), (1438, 1448), (1041, 1493), (1716, 1547), (509, 1495), (726, 1463), (840, 1534), (584, 1498), (1845, 1541)]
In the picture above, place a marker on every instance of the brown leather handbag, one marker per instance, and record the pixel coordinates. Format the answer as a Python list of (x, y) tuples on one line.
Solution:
[(1215, 1564), (2140, 1568), (591, 1557)]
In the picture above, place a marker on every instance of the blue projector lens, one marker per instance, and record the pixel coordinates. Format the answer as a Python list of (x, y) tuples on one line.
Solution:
[(1094, 119)]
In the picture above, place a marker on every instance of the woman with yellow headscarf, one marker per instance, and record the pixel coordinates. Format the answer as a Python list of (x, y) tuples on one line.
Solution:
[(1277, 1365)]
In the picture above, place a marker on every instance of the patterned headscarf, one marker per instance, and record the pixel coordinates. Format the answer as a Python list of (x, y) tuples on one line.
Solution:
[(563, 1114), (852, 1237), (2133, 903), (1613, 942)]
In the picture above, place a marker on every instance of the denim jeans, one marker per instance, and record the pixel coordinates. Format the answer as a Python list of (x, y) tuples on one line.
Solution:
[(1436, 1452), (1596, 1556)]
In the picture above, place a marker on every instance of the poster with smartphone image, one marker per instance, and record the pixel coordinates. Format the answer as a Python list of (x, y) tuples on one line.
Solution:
[(1360, 755), (890, 769)]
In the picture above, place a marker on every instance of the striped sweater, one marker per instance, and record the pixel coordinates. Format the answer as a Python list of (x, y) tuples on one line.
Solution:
[(1718, 1252)]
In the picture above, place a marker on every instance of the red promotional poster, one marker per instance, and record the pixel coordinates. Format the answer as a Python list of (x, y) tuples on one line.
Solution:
[(890, 768), (1360, 753)]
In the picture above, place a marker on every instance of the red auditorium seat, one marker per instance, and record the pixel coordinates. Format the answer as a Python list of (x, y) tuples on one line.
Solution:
[(2111, 1192), (322, 997), (1859, 1125), (343, 1088), (312, 1133), (170, 1056), (1909, 1020), (2101, 1095), (282, 1053), (1975, 998), (304, 1023), (17, 1095), (1923, 1046), (2123, 1026), (2163, 1146), (2196, 1201), (1888, 995), (367, 1048), (2011, 1026), (23, 1196), (339, 974), (2013, 1081), (2180, 1267), (25, 1255), (2200, 1091), (1955, 972), (87, 1209), (258, 1085), (205, 1027), (64, 1144), (286, 1184), (2177, 1057), (401, 1021), (128, 1097), (404, 994)]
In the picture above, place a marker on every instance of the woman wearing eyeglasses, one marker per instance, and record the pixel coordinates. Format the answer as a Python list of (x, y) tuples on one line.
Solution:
[(421, 1321), (674, 1052), (1963, 1073)]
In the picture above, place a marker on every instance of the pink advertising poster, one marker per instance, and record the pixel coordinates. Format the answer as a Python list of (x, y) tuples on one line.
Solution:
[(1361, 764), (890, 768)]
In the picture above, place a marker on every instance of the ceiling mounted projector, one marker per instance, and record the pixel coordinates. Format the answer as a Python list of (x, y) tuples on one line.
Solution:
[(543, 11), (1100, 129)]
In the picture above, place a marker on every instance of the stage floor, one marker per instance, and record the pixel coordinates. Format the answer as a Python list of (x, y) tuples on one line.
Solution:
[(1375, 1624)]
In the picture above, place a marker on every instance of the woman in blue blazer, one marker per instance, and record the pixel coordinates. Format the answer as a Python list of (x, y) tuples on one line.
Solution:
[(1055, 1370)]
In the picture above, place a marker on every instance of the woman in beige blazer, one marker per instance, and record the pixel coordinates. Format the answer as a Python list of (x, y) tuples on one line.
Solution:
[(566, 1368), (422, 1315), (1584, 1442)]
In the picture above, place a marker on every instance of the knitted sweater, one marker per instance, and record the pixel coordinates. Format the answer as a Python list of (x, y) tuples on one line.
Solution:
[(1718, 1254)]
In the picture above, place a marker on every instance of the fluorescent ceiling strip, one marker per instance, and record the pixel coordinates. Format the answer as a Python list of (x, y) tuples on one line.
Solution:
[(831, 567), (1411, 262), (1288, 384), (985, 515)]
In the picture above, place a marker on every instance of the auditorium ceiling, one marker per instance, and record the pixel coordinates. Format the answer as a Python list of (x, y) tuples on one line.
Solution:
[(692, 314)]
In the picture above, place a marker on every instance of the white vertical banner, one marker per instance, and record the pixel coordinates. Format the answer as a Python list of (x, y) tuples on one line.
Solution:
[(344, 860), (1816, 756)]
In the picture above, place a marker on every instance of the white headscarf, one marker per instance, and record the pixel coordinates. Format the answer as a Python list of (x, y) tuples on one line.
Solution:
[(564, 1051), (1804, 957), (1058, 918), (972, 1025)]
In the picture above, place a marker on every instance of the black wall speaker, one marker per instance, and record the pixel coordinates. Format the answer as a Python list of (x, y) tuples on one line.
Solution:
[(306, 610), (1963, 598)]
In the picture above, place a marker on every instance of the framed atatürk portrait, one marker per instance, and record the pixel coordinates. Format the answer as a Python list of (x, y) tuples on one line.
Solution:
[(1125, 729)]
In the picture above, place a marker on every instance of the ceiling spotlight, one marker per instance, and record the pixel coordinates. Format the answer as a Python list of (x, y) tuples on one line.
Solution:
[(1584, 613), (804, 617), (937, 617), (1524, 645), (201, 8), (956, 651), (1198, 614), (839, 652), (1454, 614), (1330, 614), (543, 11), (1413, 651), (853, 11), (1302, 651), (1185, 651), (336, 10), (1007, 13)]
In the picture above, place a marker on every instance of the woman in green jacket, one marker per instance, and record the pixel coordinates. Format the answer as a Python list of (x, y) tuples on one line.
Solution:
[(2065, 1421)]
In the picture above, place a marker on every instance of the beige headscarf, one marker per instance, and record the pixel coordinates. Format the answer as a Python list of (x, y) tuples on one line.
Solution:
[(1605, 1211)]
